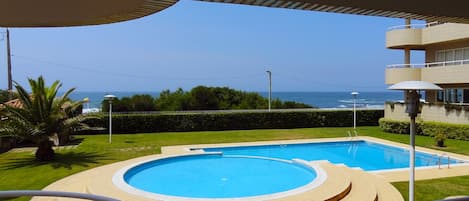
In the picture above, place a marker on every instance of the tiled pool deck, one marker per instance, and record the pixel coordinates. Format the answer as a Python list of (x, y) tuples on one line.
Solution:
[(99, 180)]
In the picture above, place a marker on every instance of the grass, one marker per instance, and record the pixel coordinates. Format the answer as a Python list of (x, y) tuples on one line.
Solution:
[(436, 189), (95, 150)]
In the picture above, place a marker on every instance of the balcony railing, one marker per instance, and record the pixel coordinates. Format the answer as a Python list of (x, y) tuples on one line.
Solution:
[(414, 26), (429, 65)]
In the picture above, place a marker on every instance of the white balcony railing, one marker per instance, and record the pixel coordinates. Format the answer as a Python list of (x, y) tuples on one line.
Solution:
[(429, 65), (414, 26)]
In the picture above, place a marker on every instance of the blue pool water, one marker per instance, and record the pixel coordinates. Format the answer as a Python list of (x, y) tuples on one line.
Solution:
[(363, 154), (217, 176)]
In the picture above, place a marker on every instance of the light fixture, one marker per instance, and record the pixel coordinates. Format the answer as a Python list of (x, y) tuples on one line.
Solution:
[(412, 101)]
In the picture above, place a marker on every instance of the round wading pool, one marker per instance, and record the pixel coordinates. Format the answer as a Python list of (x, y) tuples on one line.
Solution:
[(215, 176)]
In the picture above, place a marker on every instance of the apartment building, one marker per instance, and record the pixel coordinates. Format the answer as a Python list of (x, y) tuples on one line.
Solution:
[(446, 47)]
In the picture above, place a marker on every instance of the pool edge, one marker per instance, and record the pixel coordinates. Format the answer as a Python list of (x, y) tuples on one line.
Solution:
[(119, 181)]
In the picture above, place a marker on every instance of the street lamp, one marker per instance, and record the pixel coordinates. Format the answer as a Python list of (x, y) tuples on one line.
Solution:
[(354, 94), (412, 101), (270, 88), (87, 105), (109, 98)]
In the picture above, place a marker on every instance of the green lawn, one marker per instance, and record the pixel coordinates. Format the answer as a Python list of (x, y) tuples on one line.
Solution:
[(436, 189), (21, 171)]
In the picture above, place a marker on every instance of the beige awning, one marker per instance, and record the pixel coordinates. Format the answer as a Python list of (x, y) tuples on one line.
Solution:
[(60, 13), (430, 10)]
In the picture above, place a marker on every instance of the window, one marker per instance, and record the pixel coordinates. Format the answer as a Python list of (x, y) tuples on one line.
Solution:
[(448, 95), (453, 95), (452, 55), (459, 54), (449, 55), (440, 96), (466, 53), (465, 96), (458, 95), (440, 56)]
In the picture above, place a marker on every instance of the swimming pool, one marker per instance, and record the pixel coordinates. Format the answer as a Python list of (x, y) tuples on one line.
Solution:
[(217, 176), (258, 172), (366, 155)]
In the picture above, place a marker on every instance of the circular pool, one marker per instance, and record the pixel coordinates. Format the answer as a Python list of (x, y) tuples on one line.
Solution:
[(214, 176)]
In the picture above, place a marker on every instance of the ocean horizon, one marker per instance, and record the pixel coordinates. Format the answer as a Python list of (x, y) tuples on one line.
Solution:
[(323, 100)]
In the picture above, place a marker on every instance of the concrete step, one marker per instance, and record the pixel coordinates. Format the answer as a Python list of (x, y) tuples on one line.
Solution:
[(335, 187), (367, 186), (363, 187), (386, 191)]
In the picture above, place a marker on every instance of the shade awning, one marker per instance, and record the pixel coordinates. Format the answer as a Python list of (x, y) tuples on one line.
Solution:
[(62, 13), (430, 10)]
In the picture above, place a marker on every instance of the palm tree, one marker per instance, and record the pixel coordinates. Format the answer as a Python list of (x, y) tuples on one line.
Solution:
[(42, 117)]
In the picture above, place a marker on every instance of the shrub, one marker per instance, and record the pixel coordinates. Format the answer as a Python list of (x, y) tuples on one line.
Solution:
[(427, 128), (440, 139), (138, 123), (452, 131), (394, 126)]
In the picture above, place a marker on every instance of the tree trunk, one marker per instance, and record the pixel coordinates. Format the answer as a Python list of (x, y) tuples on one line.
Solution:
[(44, 151)]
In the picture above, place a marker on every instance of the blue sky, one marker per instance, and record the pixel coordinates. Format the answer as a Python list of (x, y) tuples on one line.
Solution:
[(198, 43)]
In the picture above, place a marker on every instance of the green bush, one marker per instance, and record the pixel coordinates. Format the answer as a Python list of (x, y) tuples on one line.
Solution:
[(140, 123), (452, 131), (440, 139), (428, 128), (395, 126)]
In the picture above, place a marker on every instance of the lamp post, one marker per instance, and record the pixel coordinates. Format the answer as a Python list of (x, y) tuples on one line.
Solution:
[(87, 105), (412, 101), (109, 98), (270, 88), (8, 57), (354, 94)]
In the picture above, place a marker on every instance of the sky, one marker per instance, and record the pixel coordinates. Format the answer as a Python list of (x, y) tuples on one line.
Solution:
[(213, 44)]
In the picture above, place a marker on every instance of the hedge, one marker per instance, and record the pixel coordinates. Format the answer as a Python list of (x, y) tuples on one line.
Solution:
[(146, 123), (427, 128), (6, 143)]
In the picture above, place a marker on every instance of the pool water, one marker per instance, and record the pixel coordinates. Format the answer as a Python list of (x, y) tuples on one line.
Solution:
[(363, 154), (218, 176)]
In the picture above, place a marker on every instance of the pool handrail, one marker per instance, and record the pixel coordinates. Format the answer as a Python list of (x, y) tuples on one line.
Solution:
[(21, 193)]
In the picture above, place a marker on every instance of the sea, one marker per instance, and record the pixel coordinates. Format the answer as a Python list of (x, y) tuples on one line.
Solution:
[(322, 100)]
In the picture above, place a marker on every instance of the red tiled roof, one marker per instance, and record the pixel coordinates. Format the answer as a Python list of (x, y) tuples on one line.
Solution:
[(13, 103)]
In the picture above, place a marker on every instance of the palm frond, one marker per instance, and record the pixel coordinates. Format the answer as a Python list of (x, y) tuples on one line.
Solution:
[(43, 113), (23, 96)]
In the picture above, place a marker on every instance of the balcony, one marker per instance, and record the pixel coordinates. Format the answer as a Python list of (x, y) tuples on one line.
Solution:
[(443, 33), (404, 38), (417, 36), (396, 75), (450, 72)]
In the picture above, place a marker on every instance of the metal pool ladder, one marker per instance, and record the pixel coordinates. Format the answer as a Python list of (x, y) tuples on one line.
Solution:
[(442, 156), (351, 135)]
